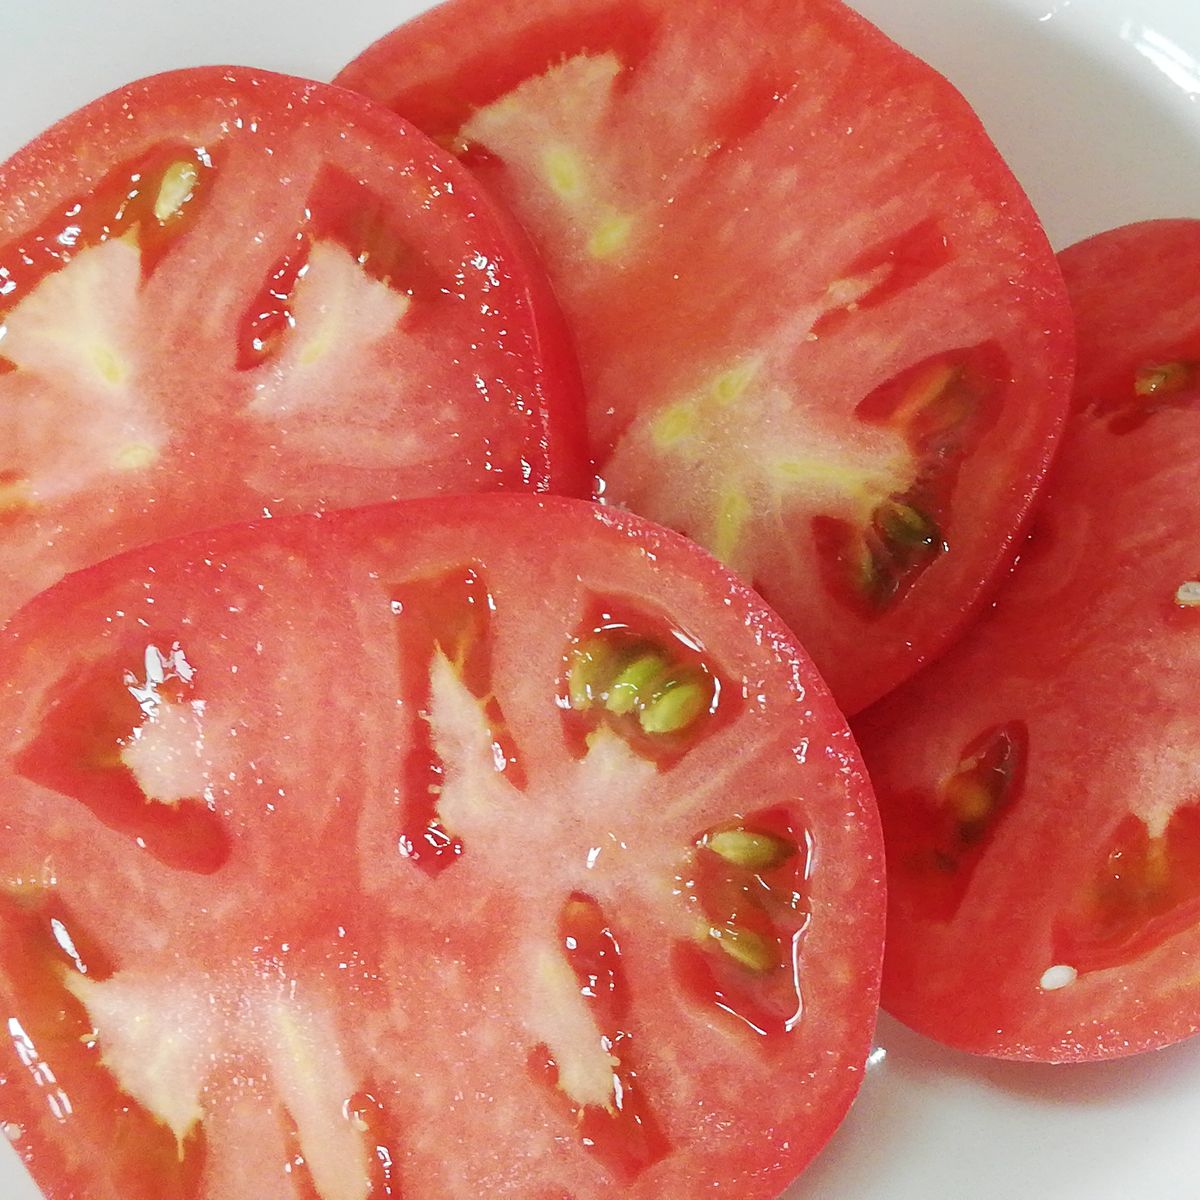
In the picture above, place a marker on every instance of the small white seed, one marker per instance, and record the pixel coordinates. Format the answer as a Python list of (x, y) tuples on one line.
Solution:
[(1188, 594), (1058, 977)]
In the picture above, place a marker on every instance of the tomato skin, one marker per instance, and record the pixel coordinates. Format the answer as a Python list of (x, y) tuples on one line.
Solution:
[(427, 988), (692, 276), (227, 292), (1068, 927)]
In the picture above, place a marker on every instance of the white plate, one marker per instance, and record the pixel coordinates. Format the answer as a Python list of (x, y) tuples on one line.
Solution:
[(1096, 104)]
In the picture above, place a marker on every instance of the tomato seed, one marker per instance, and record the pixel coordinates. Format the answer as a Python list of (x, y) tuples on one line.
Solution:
[(1187, 595), (750, 849), (1157, 379)]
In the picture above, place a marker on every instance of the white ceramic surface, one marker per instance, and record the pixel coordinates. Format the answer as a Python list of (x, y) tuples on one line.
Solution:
[(1096, 104)]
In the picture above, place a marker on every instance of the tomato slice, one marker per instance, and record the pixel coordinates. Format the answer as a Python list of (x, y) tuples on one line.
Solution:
[(821, 331), (1039, 785), (484, 846), (226, 294)]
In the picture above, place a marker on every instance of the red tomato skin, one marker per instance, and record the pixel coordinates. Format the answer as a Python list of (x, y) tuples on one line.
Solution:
[(198, 288), (439, 69), (295, 874), (1089, 870)]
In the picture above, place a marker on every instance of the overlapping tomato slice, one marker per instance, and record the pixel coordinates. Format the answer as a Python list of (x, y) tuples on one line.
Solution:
[(476, 846), (1040, 786), (820, 328), (226, 294)]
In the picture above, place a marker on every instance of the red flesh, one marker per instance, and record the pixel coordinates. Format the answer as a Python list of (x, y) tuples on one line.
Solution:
[(325, 312), (331, 1004), (1056, 915), (758, 218)]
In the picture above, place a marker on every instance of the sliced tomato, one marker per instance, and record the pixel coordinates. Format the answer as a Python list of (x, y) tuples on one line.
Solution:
[(438, 884), (226, 294), (821, 331), (1040, 785)]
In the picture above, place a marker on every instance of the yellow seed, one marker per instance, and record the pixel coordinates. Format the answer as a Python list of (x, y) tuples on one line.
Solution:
[(108, 365), (629, 690), (317, 347), (970, 801), (564, 172), (135, 456), (611, 236), (1158, 866), (1163, 377), (746, 947), (815, 470), (675, 707), (178, 183), (674, 424), (750, 849), (733, 511), (15, 495), (730, 385)]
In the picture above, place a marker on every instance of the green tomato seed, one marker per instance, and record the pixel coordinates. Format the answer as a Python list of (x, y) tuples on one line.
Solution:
[(675, 707), (907, 526), (592, 665), (750, 849), (747, 948), (1162, 377), (635, 683)]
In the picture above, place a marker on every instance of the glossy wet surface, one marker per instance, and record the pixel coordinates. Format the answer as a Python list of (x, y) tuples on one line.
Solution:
[(1097, 105)]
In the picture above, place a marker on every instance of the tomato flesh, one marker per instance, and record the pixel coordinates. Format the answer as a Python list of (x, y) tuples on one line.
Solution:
[(1038, 785), (648, 963), (226, 294), (760, 220)]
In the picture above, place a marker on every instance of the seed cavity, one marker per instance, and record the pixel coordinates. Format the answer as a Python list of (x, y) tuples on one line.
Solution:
[(315, 290), (443, 630), (629, 673), (882, 271), (588, 1063), (941, 407), (1143, 891), (901, 542), (1155, 388), (747, 884), (106, 723), (951, 826)]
